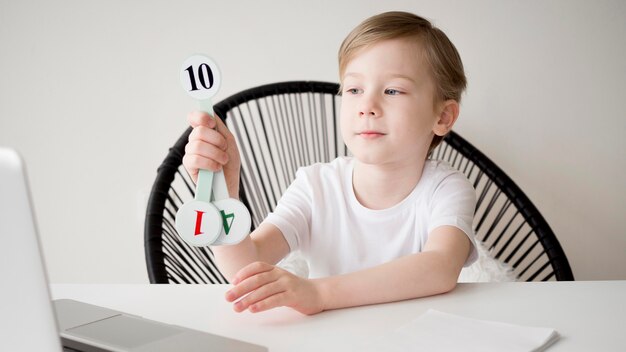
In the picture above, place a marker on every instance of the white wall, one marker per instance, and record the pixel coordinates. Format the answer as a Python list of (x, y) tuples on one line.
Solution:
[(89, 94)]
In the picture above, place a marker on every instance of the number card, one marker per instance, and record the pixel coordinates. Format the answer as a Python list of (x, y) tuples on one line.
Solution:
[(200, 77), (212, 218)]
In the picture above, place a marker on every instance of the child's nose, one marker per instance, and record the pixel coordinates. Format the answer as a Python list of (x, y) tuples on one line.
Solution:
[(369, 108), (367, 112)]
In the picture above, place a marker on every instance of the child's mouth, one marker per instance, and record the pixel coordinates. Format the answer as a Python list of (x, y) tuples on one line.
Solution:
[(371, 134)]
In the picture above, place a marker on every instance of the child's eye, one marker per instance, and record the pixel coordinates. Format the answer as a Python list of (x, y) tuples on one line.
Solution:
[(353, 91), (392, 91)]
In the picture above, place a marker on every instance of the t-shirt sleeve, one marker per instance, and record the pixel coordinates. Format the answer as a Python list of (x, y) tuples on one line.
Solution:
[(453, 204), (292, 215)]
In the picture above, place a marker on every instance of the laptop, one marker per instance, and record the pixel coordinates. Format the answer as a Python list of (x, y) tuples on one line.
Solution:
[(30, 321)]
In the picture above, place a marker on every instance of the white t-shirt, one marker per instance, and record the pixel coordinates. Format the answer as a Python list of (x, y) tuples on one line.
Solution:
[(320, 216)]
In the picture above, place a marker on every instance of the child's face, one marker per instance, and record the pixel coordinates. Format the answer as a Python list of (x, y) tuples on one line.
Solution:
[(387, 106)]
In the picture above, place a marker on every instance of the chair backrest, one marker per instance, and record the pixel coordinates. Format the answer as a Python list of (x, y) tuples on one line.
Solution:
[(280, 127)]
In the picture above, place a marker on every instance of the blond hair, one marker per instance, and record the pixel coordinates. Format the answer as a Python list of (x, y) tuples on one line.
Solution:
[(444, 60)]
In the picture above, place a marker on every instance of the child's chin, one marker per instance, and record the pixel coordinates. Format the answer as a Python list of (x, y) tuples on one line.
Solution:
[(371, 158)]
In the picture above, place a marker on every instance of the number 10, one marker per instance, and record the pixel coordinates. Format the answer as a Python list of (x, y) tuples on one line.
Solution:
[(202, 69)]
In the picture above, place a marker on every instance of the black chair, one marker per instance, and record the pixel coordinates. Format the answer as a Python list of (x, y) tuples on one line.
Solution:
[(280, 127)]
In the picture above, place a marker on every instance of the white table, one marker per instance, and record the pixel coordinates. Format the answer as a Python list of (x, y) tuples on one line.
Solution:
[(589, 315)]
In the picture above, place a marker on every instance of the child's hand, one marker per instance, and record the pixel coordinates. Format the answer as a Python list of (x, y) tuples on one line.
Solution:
[(269, 287), (212, 147)]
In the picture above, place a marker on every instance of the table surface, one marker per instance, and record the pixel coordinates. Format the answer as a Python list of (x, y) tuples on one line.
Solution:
[(588, 315)]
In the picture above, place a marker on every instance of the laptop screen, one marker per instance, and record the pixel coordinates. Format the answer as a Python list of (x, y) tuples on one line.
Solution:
[(27, 321)]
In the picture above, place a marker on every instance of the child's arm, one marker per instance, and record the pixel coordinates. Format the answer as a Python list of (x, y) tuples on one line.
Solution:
[(212, 147), (434, 270), (265, 244)]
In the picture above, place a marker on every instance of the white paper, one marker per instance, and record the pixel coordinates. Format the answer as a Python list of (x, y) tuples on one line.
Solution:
[(438, 331)]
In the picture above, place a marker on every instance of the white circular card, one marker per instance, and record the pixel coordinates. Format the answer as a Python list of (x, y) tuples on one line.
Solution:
[(198, 223), (236, 221), (200, 77)]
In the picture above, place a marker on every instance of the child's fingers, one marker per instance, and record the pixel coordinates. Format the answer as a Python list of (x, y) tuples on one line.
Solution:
[(200, 118), (249, 285), (274, 301), (208, 135), (194, 163), (204, 151), (258, 295), (251, 270)]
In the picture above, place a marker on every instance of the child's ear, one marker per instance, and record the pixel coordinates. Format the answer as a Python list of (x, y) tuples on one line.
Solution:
[(448, 113)]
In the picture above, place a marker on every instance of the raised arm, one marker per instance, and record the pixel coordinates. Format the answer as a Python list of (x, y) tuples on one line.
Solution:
[(212, 147)]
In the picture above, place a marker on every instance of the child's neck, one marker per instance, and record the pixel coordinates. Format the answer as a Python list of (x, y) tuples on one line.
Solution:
[(383, 186)]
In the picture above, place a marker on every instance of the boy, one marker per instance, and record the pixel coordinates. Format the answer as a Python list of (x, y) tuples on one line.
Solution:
[(385, 225)]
